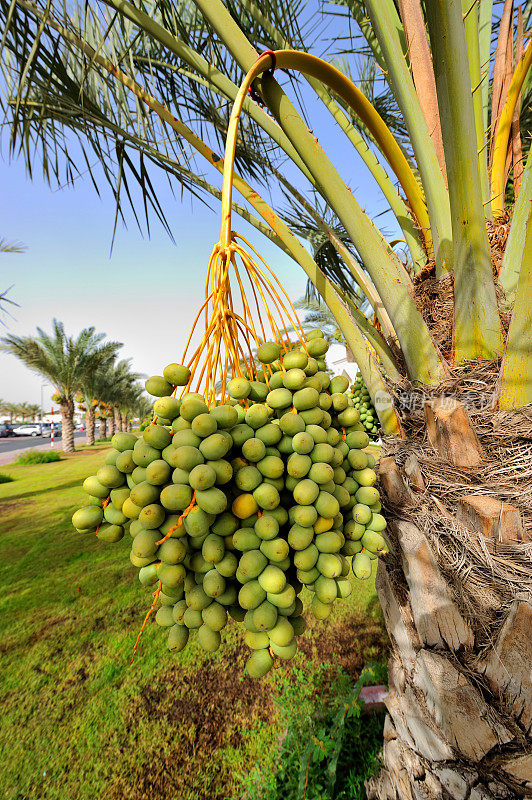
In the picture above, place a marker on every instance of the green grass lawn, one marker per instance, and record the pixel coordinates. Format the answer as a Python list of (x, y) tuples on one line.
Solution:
[(78, 719)]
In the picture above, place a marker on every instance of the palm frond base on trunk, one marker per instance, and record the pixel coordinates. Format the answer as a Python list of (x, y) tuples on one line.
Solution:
[(456, 593)]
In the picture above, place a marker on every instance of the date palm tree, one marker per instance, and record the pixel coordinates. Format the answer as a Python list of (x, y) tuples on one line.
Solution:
[(4, 406), (112, 386), (93, 386), (28, 411), (133, 402), (441, 136), (124, 383), (34, 411), (141, 408), (64, 361), (13, 409)]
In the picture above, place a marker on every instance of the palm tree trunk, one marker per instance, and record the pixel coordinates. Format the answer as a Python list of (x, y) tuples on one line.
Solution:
[(110, 425), (456, 594), (118, 419), (90, 424), (101, 428), (67, 425)]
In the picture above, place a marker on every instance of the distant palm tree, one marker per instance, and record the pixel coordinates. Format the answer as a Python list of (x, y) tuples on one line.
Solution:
[(115, 385), (22, 412), (141, 407), (34, 410), (93, 388), (28, 411), (12, 409), (136, 405), (318, 315), (65, 361), (126, 389)]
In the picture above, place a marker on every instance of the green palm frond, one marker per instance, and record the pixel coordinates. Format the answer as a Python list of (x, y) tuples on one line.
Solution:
[(359, 36), (63, 100), (324, 253), (5, 300), (11, 247)]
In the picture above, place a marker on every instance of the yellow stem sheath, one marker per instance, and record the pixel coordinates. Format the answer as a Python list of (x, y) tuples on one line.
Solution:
[(503, 132)]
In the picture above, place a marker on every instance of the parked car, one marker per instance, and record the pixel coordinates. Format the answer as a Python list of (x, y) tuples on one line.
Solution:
[(47, 429), (6, 429), (28, 429)]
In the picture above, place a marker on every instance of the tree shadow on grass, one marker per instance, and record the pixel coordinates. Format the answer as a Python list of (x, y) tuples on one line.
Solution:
[(37, 492)]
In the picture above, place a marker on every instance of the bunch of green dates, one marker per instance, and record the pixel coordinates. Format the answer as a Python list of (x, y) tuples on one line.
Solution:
[(362, 402), (278, 494)]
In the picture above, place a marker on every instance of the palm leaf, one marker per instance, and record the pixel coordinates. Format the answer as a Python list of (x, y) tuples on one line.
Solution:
[(11, 247)]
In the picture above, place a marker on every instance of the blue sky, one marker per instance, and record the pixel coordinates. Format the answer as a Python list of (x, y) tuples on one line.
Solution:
[(146, 293)]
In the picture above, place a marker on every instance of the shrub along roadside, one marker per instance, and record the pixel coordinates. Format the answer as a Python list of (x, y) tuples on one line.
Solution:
[(5, 478), (38, 457), (329, 749)]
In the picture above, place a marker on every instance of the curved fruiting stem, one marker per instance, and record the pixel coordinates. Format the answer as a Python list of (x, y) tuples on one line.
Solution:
[(389, 275), (383, 180), (346, 89), (229, 338), (151, 609), (503, 132), (180, 521)]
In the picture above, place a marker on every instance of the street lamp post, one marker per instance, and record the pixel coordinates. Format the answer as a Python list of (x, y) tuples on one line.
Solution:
[(43, 384)]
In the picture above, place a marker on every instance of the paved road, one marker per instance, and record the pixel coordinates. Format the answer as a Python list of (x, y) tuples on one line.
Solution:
[(11, 446)]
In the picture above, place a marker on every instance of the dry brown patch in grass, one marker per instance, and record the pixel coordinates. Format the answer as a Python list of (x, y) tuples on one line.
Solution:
[(349, 642), (209, 709), (46, 632), (12, 507)]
